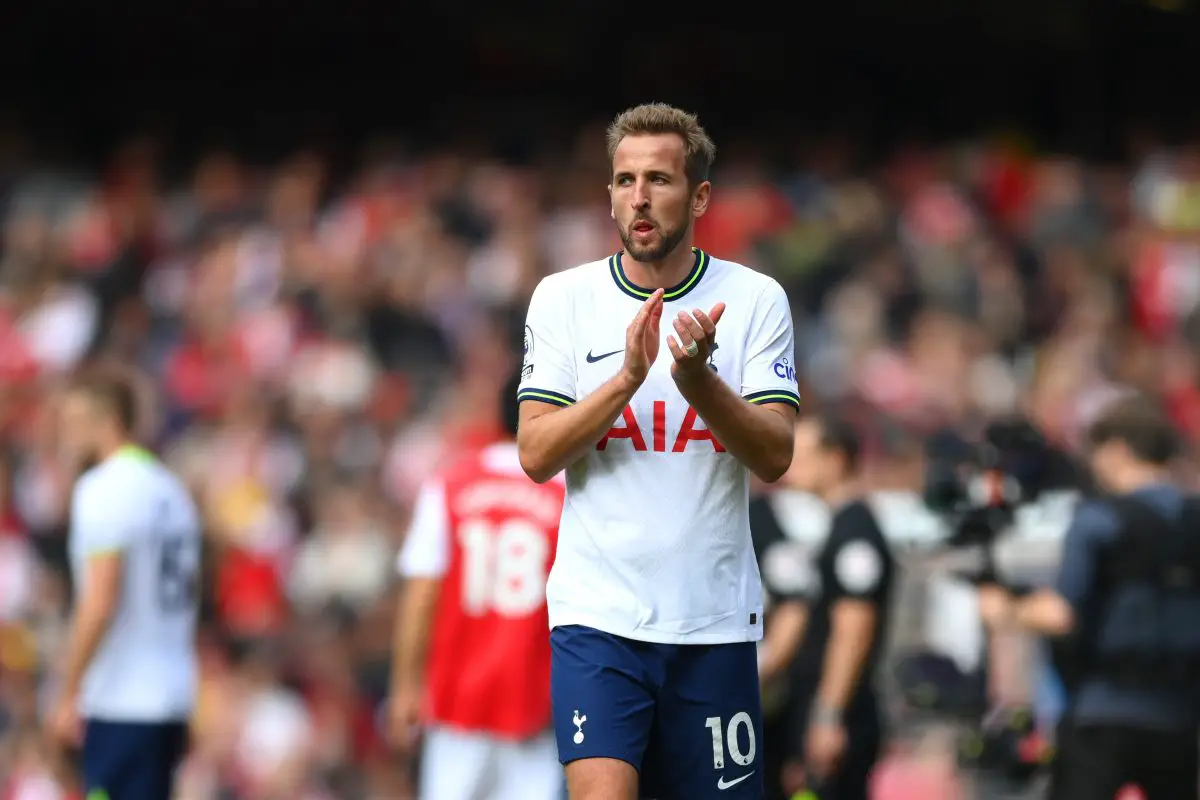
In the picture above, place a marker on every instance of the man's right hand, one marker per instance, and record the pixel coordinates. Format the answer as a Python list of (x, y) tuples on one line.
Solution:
[(404, 720), (550, 439), (642, 339)]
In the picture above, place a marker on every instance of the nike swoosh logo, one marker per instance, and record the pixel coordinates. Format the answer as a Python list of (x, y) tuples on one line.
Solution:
[(723, 784), (591, 359)]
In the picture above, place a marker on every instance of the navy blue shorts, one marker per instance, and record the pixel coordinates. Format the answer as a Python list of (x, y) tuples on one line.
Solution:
[(687, 717), (132, 760)]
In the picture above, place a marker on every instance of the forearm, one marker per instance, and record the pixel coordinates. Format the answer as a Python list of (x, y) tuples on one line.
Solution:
[(781, 639), (87, 631), (757, 436), (414, 619), (1045, 613), (849, 645), (552, 441)]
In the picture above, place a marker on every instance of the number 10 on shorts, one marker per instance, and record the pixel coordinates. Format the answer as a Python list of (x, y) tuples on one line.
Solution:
[(727, 737)]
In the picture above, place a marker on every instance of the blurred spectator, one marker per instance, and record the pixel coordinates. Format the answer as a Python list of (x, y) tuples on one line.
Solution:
[(346, 559)]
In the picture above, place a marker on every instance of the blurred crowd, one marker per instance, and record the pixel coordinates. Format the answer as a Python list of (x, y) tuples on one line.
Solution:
[(311, 342)]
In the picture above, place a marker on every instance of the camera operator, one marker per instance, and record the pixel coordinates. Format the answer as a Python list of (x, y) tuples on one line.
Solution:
[(1124, 610), (836, 720)]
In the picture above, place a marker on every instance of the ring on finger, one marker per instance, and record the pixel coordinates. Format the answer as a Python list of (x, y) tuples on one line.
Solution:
[(691, 349)]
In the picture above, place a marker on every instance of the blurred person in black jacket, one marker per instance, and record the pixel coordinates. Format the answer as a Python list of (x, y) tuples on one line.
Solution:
[(835, 726), (1122, 614)]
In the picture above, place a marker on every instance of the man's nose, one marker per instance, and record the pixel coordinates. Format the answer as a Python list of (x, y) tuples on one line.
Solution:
[(640, 198)]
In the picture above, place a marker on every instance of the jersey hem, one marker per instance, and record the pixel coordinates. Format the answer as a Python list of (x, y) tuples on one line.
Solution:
[(133, 717), (659, 637), (545, 396), (512, 736), (110, 550)]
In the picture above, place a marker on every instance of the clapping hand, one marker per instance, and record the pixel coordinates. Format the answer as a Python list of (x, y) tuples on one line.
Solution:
[(697, 334), (642, 339)]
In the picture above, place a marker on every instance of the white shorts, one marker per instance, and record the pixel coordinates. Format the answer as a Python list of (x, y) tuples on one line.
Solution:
[(457, 765)]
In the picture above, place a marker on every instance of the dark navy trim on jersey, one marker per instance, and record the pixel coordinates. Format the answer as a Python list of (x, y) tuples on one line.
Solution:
[(673, 293), (774, 396), (545, 396)]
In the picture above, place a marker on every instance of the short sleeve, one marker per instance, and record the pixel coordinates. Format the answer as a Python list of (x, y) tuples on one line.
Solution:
[(1091, 527), (100, 523), (785, 566), (548, 368), (426, 549), (788, 573), (769, 375), (858, 564)]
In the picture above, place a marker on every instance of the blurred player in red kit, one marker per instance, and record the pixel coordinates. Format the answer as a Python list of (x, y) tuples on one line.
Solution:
[(472, 661)]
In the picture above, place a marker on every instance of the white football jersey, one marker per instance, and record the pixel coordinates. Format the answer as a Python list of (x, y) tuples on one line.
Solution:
[(655, 537), (145, 668)]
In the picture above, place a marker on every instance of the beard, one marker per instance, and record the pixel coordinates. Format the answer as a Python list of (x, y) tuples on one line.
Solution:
[(668, 240)]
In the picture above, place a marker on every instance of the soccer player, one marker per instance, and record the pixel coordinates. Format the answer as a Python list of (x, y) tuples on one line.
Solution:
[(129, 671), (655, 600), (471, 646)]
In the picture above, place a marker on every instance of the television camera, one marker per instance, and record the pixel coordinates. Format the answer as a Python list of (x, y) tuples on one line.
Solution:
[(977, 487)]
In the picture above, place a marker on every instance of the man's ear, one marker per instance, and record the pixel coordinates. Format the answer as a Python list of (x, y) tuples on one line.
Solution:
[(700, 199)]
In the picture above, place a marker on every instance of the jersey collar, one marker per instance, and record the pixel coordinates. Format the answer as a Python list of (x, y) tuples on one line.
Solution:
[(133, 452), (691, 281)]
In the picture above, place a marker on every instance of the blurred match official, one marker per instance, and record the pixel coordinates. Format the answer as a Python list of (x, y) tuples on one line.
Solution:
[(836, 734)]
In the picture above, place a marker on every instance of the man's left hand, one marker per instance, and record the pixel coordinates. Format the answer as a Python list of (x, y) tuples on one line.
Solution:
[(825, 745), (696, 328), (793, 778), (995, 606), (64, 724)]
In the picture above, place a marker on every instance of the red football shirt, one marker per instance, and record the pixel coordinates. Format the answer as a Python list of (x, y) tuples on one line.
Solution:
[(489, 533)]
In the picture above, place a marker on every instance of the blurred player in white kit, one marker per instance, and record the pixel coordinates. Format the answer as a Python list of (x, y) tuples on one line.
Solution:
[(129, 671)]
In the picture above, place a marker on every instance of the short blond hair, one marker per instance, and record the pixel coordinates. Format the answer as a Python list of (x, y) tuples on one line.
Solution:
[(656, 118)]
